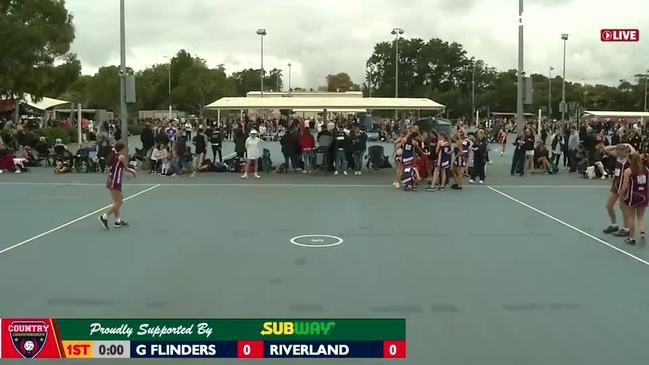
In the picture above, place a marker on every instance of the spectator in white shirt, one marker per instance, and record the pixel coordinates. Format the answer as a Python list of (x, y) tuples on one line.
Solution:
[(253, 148)]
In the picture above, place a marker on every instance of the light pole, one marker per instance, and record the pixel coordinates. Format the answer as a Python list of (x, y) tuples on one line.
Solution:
[(396, 32), (564, 36), (473, 94), (170, 106), (519, 90), (550, 93), (289, 78), (262, 33), (646, 77), (122, 74)]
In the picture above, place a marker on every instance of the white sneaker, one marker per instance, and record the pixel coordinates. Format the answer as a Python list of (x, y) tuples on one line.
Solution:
[(244, 176), (472, 181), (396, 185), (18, 172), (193, 175), (360, 173), (336, 173), (345, 172), (2, 171), (304, 172), (481, 182), (257, 176)]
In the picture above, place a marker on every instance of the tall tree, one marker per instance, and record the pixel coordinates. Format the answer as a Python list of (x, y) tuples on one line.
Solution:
[(33, 34), (199, 85), (340, 82), (61, 77)]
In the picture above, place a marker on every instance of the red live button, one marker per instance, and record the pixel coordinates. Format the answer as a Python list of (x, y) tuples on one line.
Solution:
[(620, 35)]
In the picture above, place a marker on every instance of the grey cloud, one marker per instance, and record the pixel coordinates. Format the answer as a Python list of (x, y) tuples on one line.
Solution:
[(321, 37)]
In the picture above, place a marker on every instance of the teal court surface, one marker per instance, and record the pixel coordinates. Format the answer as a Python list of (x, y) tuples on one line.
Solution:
[(516, 272)]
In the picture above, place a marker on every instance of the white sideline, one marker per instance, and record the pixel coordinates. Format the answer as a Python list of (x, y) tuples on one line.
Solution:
[(72, 222), (570, 226)]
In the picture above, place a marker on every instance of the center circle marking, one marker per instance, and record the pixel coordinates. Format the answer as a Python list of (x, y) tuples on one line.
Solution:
[(316, 241)]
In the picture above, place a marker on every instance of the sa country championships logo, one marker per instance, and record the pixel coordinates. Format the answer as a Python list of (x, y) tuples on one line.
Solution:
[(620, 35), (28, 337)]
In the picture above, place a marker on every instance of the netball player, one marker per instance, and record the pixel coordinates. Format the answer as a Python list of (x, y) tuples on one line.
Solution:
[(621, 153), (443, 151), (398, 152), (635, 188), (117, 163), (502, 140), (461, 157), (410, 149)]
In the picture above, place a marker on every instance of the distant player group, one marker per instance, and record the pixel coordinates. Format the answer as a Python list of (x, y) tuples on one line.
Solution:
[(631, 188), (431, 156)]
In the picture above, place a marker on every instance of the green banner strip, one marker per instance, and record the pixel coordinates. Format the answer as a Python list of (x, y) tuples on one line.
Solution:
[(231, 329)]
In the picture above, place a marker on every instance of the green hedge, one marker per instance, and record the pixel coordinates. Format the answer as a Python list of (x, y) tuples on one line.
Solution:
[(67, 134)]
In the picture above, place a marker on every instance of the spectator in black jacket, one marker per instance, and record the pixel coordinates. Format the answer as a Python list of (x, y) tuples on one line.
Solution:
[(216, 140), (519, 155), (239, 140), (359, 145), (341, 145), (147, 139), (291, 149)]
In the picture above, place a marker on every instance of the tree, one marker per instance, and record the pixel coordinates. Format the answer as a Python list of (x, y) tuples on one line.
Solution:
[(104, 89), (33, 34), (61, 77), (199, 85), (248, 80), (340, 82)]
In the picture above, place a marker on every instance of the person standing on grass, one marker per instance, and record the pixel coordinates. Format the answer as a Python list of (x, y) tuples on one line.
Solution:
[(253, 147), (201, 149), (635, 187), (117, 164), (621, 152)]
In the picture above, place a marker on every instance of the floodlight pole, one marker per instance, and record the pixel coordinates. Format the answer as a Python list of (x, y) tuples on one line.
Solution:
[(519, 94), (123, 106)]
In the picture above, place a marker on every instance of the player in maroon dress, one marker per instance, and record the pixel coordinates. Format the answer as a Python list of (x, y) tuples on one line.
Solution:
[(117, 164), (621, 153), (635, 190)]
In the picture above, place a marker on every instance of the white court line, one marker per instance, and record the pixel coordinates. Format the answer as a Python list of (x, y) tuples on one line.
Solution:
[(553, 186), (72, 221), (280, 185), (570, 226)]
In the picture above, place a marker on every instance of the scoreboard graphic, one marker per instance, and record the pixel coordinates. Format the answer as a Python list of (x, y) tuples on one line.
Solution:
[(48, 338)]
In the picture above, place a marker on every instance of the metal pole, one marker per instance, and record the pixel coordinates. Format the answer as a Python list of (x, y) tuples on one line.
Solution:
[(289, 79), (519, 93), (563, 92), (550, 94), (123, 106), (473, 94), (170, 106), (262, 66), (396, 72), (79, 132), (645, 90)]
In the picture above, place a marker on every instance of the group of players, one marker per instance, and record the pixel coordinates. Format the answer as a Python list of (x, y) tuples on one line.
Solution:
[(422, 156), (631, 188)]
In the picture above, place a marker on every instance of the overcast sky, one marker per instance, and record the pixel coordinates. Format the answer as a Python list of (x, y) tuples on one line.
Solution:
[(322, 37)]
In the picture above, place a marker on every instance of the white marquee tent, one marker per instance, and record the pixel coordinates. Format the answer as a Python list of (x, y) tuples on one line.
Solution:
[(324, 103)]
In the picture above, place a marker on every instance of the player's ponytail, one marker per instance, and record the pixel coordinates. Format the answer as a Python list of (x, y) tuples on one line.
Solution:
[(112, 156)]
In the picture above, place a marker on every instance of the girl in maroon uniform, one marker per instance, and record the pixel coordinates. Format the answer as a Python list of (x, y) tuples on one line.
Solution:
[(635, 188), (620, 152), (117, 164)]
